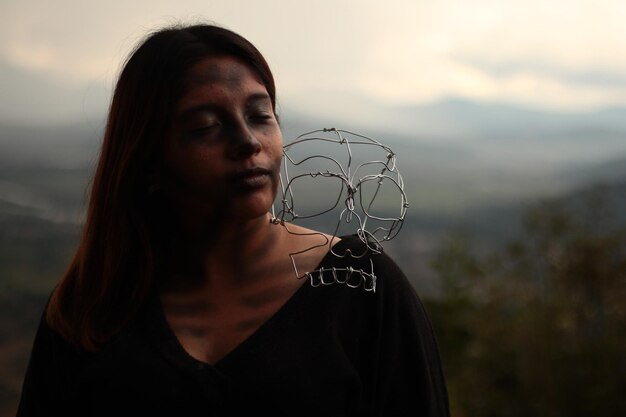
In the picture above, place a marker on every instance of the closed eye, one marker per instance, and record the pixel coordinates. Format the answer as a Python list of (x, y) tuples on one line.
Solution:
[(202, 130), (260, 117), (259, 109)]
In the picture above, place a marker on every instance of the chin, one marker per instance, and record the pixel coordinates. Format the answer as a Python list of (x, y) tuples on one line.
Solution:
[(252, 207)]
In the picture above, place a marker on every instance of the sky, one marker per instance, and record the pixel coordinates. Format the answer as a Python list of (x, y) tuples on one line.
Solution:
[(59, 60)]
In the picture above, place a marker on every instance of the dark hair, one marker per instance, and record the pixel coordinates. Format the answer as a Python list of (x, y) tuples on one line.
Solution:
[(113, 270)]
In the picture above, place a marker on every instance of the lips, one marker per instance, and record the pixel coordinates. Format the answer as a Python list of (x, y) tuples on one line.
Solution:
[(251, 178)]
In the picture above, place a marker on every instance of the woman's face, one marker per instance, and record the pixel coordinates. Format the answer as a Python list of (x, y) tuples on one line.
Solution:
[(223, 150)]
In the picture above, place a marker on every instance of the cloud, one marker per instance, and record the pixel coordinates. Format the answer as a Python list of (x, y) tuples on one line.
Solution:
[(584, 77), (35, 98), (558, 53)]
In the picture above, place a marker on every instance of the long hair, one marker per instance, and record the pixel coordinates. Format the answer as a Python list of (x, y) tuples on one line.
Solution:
[(113, 270)]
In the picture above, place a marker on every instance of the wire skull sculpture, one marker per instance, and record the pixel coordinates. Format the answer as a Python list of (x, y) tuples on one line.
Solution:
[(355, 170)]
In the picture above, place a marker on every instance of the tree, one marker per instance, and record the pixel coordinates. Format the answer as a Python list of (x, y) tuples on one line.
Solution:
[(538, 327)]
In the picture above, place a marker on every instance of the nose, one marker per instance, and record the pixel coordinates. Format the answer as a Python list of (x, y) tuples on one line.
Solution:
[(243, 143)]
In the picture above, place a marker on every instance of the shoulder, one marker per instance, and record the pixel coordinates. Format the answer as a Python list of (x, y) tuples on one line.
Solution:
[(386, 333), (379, 271)]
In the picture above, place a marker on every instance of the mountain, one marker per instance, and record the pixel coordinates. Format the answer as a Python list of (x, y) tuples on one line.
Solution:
[(467, 167), (454, 155), (475, 181)]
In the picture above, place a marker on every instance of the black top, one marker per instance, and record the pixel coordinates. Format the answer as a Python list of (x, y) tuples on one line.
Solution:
[(331, 350)]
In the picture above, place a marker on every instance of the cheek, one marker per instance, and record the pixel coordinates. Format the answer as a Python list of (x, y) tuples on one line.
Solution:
[(195, 175), (275, 147)]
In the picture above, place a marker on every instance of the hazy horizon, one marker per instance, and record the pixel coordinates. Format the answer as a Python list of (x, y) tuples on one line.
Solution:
[(484, 100), (330, 56)]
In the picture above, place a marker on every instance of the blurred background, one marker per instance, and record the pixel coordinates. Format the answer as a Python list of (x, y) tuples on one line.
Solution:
[(509, 122)]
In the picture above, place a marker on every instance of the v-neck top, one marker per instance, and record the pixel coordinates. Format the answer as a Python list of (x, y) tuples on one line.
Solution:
[(333, 349)]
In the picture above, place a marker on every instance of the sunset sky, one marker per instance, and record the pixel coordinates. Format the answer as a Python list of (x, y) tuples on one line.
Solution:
[(58, 60)]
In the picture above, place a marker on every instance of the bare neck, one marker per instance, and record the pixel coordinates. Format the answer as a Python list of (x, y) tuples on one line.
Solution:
[(226, 253)]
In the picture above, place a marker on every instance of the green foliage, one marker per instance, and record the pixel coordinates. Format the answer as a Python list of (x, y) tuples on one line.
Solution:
[(538, 327), (34, 252)]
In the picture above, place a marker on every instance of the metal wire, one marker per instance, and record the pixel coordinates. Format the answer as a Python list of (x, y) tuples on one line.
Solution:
[(352, 183)]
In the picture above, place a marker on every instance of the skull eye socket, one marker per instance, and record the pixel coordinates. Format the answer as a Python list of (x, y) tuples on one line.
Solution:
[(381, 198), (308, 196), (329, 173)]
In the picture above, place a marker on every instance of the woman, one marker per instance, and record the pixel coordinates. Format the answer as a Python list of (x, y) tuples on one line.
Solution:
[(181, 299)]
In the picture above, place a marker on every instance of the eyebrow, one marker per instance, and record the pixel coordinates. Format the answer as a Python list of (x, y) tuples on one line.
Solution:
[(257, 97), (207, 107)]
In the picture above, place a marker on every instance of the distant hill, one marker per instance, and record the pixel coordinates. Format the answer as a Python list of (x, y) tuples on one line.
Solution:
[(468, 167), (454, 155), (465, 117), (515, 136), (44, 175)]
